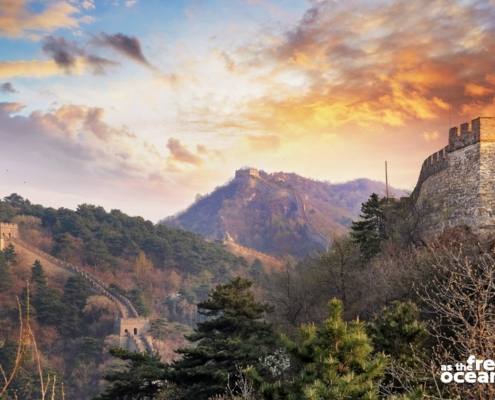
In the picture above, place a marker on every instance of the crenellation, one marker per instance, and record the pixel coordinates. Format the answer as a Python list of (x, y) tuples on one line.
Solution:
[(456, 185)]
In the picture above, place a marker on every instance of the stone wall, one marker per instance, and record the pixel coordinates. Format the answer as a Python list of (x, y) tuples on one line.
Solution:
[(456, 185), (7, 232)]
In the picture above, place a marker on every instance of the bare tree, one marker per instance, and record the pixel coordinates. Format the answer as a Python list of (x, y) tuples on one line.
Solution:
[(460, 298), (27, 340)]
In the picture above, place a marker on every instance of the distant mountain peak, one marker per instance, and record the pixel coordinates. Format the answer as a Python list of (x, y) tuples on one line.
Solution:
[(278, 213)]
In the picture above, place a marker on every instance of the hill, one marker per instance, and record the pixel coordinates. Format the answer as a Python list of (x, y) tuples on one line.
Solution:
[(164, 271), (280, 213)]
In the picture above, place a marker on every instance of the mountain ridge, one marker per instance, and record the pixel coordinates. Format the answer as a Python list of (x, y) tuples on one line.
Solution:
[(278, 213)]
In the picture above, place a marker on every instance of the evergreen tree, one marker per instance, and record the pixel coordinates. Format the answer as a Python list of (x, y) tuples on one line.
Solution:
[(10, 254), (76, 292), (336, 360), (142, 379), (8, 258), (233, 336), (38, 276), (46, 301), (397, 331), (370, 231)]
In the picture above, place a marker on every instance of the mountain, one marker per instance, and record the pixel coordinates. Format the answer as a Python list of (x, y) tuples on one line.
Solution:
[(279, 213)]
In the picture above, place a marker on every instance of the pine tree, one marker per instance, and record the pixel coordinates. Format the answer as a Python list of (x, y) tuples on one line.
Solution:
[(397, 331), (234, 336), (46, 301), (5, 273), (76, 292), (38, 275), (370, 231), (336, 360), (143, 378)]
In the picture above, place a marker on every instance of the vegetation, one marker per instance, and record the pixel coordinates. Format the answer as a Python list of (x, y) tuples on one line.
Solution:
[(398, 309), (370, 231)]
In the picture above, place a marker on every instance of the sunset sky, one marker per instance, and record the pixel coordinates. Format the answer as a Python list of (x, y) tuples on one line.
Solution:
[(143, 104)]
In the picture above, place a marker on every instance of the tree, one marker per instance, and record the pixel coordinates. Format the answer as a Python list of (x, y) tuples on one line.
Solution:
[(336, 360), (46, 301), (233, 336), (143, 377), (459, 300), (370, 231), (8, 257), (397, 331), (38, 274), (339, 262), (76, 292)]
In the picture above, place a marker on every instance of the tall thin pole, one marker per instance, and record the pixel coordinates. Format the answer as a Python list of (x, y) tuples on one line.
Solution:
[(386, 180)]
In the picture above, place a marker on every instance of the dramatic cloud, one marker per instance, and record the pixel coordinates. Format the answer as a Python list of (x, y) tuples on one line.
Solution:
[(126, 45), (180, 153), (378, 63), (7, 87), (17, 19), (66, 54)]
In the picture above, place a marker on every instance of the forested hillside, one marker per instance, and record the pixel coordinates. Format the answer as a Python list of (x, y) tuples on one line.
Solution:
[(282, 214), (164, 271)]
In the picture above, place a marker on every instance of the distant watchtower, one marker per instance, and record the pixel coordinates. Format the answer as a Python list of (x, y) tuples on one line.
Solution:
[(247, 173), (7, 232)]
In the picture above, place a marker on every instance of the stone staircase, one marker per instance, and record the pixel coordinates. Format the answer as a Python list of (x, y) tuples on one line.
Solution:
[(131, 339)]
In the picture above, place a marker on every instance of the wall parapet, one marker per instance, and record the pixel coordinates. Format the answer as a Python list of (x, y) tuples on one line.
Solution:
[(481, 129), (435, 163)]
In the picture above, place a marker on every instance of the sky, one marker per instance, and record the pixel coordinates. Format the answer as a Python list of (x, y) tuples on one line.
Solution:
[(141, 105)]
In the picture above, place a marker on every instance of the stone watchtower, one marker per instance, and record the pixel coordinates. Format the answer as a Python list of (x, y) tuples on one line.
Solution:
[(7, 232), (456, 185)]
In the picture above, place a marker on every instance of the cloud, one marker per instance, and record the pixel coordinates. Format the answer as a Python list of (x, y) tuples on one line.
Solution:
[(7, 87), (18, 20), (263, 142), (66, 54), (180, 153), (10, 108), (36, 68), (131, 3), (77, 122), (375, 64), (88, 4), (126, 45), (431, 136)]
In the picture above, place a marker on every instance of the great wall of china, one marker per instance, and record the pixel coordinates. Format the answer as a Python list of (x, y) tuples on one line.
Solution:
[(456, 185), (132, 329)]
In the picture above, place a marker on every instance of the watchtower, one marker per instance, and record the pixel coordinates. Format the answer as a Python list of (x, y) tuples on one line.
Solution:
[(7, 232)]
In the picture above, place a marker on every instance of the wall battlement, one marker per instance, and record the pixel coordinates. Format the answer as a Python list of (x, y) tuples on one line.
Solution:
[(481, 129), (456, 185)]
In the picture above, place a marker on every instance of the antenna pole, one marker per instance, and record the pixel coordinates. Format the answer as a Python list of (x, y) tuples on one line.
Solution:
[(386, 180)]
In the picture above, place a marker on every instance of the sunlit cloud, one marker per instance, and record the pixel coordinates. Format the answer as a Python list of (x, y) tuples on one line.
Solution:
[(17, 20)]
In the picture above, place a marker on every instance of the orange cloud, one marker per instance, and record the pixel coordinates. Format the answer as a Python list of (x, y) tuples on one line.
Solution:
[(378, 63), (36, 68), (16, 20)]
